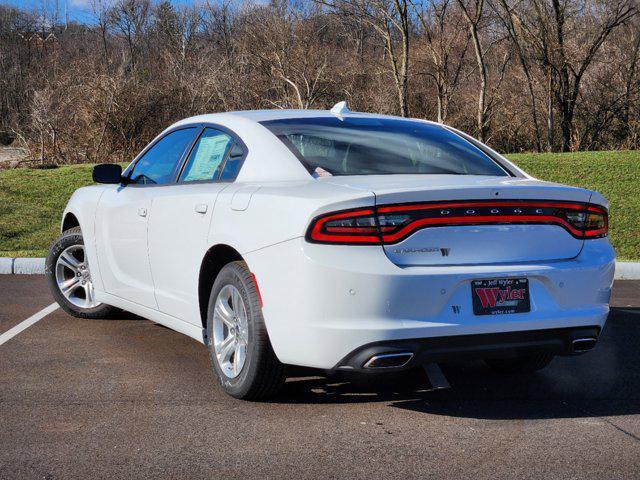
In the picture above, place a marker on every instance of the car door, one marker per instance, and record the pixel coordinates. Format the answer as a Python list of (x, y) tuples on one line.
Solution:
[(180, 220), (123, 214)]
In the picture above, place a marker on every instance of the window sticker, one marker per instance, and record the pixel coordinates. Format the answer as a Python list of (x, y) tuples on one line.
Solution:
[(208, 157), (320, 172)]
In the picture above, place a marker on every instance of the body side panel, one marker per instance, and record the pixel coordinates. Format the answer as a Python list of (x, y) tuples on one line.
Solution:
[(121, 233), (180, 220), (275, 212), (83, 205)]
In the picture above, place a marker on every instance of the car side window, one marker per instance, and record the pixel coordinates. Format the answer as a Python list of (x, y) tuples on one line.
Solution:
[(157, 166), (233, 164), (208, 157)]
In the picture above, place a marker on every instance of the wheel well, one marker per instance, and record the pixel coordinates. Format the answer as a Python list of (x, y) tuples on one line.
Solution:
[(69, 221), (215, 258)]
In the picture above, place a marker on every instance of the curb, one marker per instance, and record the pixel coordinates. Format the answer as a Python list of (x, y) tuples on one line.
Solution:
[(627, 271), (35, 266), (21, 266), (6, 265)]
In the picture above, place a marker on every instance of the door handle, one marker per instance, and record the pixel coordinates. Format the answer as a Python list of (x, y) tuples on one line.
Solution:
[(201, 208), (142, 212)]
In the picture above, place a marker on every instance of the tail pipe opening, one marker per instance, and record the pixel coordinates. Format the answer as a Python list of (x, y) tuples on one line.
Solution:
[(580, 345), (389, 360)]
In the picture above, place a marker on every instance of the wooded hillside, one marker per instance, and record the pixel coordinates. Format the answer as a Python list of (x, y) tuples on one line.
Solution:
[(529, 75)]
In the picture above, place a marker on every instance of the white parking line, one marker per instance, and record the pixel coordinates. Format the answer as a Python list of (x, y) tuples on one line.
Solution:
[(12, 332)]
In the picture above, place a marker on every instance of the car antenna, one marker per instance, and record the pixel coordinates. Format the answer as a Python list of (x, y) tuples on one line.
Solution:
[(340, 109)]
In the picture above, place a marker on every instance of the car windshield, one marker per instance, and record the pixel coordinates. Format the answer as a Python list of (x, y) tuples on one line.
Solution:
[(380, 146)]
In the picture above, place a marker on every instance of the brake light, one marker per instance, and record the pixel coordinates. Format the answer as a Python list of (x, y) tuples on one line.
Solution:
[(388, 224), (349, 226), (594, 223)]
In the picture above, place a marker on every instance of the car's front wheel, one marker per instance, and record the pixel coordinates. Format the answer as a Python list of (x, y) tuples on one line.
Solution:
[(522, 364), (239, 346), (69, 277)]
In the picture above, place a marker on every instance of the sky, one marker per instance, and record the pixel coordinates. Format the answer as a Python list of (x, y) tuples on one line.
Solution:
[(79, 10)]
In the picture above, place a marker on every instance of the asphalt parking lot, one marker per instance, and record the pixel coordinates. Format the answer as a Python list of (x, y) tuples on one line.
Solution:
[(130, 399)]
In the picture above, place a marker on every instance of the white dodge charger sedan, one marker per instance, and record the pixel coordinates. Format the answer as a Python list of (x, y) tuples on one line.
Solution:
[(337, 240)]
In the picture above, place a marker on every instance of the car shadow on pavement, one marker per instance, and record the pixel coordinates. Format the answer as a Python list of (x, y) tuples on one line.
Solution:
[(604, 382)]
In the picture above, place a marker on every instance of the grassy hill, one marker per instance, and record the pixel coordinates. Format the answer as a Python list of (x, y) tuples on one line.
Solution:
[(616, 175), (31, 201)]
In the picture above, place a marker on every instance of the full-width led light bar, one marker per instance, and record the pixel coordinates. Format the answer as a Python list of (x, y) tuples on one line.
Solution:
[(388, 224)]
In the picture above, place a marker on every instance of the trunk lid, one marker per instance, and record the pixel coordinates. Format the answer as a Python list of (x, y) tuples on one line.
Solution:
[(473, 244)]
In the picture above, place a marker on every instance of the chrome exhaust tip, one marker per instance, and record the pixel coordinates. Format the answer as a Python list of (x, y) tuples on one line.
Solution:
[(389, 360), (583, 344)]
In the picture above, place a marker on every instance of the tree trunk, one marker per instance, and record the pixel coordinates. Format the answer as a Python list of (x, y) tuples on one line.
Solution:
[(482, 93), (41, 147), (510, 23), (473, 22), (550, 119), (440, 99), (399, 73), (534, 113), (565, 125), (566, 116)]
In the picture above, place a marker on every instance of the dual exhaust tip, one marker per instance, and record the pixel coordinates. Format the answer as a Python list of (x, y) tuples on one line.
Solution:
[(389, 360), (580, 345)]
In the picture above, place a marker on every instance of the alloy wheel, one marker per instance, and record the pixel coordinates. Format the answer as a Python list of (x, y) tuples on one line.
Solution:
[(230, 331), (74, 278)]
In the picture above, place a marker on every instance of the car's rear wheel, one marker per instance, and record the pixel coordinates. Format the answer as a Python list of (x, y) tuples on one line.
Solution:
[(522, 364), (69, 277), (239, 347)]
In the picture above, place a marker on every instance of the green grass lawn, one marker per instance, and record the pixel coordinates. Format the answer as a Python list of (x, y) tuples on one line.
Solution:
[(616, 175), (31, 201), (31, 205)]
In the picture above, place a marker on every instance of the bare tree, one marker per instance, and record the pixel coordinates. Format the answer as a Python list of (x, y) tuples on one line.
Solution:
[(40, 114), (289, 53), (447, 41), (511, 24), (390, 19), (473, 11), (630, 67), (101, 15), (73, 92), (130, 18), (567, 38)]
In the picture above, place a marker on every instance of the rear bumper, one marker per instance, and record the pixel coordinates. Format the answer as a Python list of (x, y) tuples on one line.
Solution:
[(403, 354), (323, 303)]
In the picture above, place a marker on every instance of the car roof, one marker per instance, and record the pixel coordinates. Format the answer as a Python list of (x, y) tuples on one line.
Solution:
[(268, 158), (281, 114)]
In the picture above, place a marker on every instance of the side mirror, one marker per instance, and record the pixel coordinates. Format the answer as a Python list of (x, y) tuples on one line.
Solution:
[(107, 173)]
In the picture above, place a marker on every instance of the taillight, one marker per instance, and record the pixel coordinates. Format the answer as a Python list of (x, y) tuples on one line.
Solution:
[(388, 224), (348, 226), (593, 222)]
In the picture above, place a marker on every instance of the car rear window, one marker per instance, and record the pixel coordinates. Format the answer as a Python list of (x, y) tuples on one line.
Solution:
[(380, 146)]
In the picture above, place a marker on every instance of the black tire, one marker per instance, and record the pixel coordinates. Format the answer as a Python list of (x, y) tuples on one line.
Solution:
[(522, 364), (69, 238), (262, 375)]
